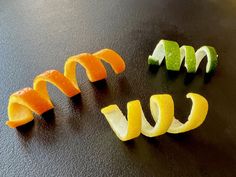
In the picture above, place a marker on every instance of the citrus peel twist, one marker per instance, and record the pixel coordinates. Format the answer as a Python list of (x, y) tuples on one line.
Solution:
[(24, 102), (162, 109), (174, 56)]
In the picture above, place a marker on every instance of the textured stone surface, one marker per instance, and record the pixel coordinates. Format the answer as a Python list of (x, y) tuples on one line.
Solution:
[(77, 141)]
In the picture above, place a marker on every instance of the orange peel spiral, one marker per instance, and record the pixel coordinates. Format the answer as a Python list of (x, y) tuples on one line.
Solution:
[(22, 103)]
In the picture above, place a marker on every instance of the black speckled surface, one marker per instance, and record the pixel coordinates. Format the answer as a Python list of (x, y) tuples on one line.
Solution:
[(76, 140)]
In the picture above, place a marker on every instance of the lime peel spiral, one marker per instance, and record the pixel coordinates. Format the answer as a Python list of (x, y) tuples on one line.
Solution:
[(174, 56)]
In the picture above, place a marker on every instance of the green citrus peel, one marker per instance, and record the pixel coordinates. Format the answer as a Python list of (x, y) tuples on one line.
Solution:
[(174, 56)]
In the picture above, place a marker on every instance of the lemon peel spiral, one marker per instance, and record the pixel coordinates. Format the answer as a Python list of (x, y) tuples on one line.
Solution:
[(162, 109)]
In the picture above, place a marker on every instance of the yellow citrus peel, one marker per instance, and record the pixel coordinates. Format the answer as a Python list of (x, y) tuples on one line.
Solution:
[(24, 102), (162, 109), (195, 119), (124, 129)]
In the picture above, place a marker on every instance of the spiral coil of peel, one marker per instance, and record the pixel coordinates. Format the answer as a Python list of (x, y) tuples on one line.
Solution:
[(174, 56), (162, 110), (22, 103)]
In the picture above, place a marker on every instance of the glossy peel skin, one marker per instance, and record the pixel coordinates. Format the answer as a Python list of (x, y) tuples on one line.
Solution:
[(195, 119), (174, 56), (24, 102), (123, 128), (162, 109)]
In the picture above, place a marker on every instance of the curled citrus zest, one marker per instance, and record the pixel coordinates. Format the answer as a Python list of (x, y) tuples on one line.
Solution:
[(174, 56), (124, 129), (109, 56), (196, 118), (56, 78), (94, 67), (24, 102), (162, 109)]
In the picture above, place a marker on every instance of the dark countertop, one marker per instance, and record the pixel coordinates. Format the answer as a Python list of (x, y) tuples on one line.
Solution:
[(76, 140)]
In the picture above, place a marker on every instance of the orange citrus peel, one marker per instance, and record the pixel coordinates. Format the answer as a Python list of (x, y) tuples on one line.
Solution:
[(24, 102), (162, 109), (56, 78)]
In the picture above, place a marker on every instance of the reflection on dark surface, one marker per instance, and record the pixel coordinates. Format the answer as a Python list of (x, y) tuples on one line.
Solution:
[(129, 144), (172, 75), (153, 69), (49, 117), (189, 78), (47, 120), (100, 85), (78, 108), (100, 91), (26, 129), (208, 77), (152, 140), (181, 136), (76, 104), (77, 99)]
